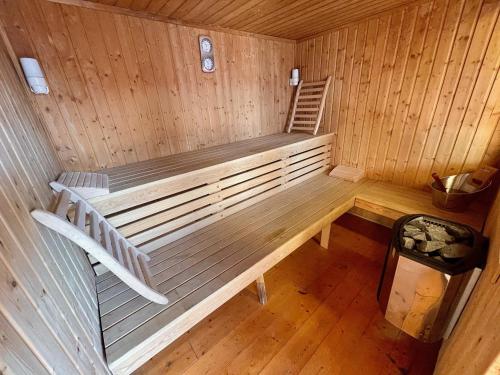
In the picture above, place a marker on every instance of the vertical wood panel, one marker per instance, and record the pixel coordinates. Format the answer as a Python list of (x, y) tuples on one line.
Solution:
[(125, 89), (420, 95), (472, 347), (47, 288), (15, 355)]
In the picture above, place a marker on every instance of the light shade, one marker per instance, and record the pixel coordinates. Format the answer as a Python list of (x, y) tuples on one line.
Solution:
[(34, 75)]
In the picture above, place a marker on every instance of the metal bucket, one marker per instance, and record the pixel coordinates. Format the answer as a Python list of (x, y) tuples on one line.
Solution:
[(454, 199)]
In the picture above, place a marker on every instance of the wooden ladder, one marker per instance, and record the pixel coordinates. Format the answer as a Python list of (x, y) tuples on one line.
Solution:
[(308, 105), (92, 232)]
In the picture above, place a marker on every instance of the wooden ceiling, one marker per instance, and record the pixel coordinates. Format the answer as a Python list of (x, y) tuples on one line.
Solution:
[(291, 19)]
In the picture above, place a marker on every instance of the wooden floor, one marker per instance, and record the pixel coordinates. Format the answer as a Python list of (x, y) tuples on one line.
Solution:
[(321, 317), (135, 174)]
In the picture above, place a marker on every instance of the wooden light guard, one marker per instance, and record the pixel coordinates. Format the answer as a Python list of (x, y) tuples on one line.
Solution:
[(101, 240), (308, 105)]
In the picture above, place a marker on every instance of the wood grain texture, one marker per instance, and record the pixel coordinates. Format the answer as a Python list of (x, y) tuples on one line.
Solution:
[(48, 301), (474, 345), (203, 269), (414, 91), (119, 256), (125, 89), (286, 19), (321, 311)]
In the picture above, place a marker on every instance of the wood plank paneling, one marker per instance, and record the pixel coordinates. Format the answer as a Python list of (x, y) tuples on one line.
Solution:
[(321, 313), (125, 89), (473, 347), (287, 19), (48, 304), (414, 91)]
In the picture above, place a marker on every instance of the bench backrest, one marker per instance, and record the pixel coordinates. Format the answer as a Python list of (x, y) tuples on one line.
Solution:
[(74, 218), (157, 213), (308, 106)]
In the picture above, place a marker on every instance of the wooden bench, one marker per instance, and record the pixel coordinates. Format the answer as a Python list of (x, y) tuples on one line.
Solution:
[(214, 221)]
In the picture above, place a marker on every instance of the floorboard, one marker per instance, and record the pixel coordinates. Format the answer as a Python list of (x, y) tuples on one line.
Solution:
[(321, 317)]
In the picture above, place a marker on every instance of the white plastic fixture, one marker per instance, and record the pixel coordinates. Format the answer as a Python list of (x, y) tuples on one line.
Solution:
[(294, 81), (206, 54), (34, 75)]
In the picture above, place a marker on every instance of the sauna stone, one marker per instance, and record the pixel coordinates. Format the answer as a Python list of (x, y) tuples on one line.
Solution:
[(408, 242), (430, 246), (458, 232), (437, 233), (455, 250), (417, 236)]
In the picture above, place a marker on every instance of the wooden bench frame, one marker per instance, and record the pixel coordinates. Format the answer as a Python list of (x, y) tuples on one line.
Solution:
[(203, 196), (172, 199), (375, 198)]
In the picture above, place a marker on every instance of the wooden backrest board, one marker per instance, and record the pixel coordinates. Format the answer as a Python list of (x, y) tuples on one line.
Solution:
[(74, 218), (308, 106)]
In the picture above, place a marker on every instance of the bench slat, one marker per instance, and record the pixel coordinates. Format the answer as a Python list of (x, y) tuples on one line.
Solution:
[(62, 205), (106, 238), (125, 255), (115, 246), (80, 215), (94, 229)]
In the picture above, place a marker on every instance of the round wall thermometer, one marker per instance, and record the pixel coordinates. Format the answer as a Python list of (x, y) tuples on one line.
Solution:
[(206, 54), (206, 45), (207, 64)]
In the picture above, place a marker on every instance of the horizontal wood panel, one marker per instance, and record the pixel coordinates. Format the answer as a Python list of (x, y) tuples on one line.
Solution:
[(286, 19), (413, 91), (125, 89), (49, 319)]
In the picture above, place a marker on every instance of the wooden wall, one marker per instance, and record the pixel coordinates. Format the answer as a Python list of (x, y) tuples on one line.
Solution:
[(48, 306), (414, 91), (474, 345), (125, 89)]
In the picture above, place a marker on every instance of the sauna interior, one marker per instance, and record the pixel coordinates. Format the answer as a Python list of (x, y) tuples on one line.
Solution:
[(249, 187)]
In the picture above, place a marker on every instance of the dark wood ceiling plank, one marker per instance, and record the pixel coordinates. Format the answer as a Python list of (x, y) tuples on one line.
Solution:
[(291, 19)]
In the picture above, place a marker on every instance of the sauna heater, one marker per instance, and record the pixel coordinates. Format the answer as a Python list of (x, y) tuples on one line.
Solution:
[(430, 270)]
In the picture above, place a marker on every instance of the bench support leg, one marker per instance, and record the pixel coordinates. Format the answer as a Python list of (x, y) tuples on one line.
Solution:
[(261, 289), (325, 236)]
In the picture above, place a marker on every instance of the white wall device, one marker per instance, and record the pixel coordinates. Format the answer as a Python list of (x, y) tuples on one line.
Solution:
[(34, 75), (294, 81), (206, 54)]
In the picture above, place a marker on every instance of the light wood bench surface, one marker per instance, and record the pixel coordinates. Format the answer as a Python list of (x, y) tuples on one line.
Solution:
[(201, 271), (214, 221), (141, 173)]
